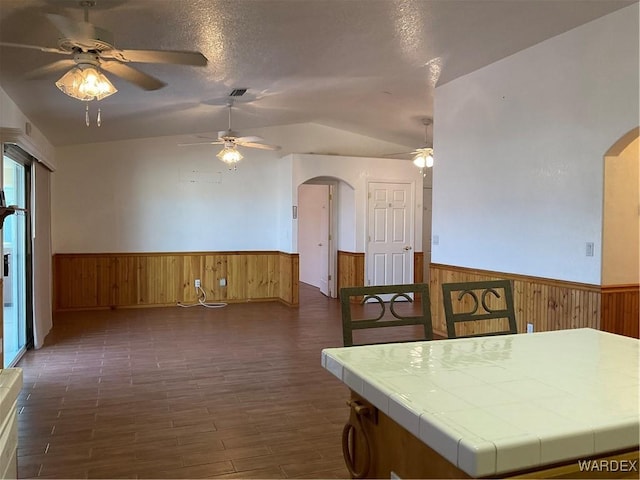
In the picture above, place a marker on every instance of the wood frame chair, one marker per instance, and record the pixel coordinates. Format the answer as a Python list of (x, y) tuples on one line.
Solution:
[(351, 295), (490, 313)]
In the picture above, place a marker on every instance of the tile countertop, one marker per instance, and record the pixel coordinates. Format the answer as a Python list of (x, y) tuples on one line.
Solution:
[(492, 405)]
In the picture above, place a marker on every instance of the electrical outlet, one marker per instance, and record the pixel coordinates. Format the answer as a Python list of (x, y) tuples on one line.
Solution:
[(223, 282), (529, 327), (197, 283)]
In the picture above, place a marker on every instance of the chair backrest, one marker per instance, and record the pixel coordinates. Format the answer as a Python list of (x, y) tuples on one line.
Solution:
[(485, 308), (366, 307)]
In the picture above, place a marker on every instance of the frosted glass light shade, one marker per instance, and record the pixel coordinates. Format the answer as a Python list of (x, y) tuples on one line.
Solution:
[(86, 83), (230, 155), (424, 158)]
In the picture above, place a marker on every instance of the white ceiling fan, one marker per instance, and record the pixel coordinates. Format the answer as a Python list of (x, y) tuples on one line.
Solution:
[(91, 47), (230, 139), (423, 156)]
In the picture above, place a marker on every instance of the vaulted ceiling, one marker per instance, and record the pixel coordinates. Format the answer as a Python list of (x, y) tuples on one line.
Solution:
[(366, 66)]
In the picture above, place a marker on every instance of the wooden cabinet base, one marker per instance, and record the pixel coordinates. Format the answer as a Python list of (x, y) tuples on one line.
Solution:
[(391, 448)]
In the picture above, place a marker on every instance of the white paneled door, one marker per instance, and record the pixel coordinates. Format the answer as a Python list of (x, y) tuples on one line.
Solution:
[(390, 234)]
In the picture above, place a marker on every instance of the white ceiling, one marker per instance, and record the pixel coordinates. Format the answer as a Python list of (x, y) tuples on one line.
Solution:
[(366, 66)]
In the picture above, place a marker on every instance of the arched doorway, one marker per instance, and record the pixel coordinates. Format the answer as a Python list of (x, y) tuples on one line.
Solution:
[(620, 276), (325, 206)]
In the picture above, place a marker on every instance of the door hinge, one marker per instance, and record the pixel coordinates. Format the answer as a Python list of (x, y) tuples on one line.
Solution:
[(329, 237), (329, 277)]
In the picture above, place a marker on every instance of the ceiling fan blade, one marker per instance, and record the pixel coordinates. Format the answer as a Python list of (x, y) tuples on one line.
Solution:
[(175, 57), (50, 68), (242, 140), (217, 142), (80, 32), (130, 74), (33, 47), (399, 154), (248, 97), (260, 146)]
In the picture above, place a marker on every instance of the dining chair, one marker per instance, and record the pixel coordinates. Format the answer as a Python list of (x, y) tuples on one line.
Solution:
[(479, 308), (386, 306)]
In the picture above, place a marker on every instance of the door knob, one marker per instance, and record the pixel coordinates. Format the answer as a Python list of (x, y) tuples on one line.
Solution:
[(408, 247)]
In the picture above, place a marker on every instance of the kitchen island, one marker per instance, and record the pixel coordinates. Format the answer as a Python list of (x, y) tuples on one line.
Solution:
[(527, 404)]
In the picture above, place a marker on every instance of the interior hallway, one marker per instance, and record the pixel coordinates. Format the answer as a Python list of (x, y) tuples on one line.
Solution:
[(234, 392)]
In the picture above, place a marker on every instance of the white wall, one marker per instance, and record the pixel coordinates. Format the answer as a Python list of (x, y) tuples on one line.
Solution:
[(151, 195), (518, 181), (33, 142), (346, 196), (148, 195)]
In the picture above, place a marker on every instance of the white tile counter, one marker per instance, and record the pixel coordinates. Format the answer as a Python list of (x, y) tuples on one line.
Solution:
[(492, 405), (10, 386)]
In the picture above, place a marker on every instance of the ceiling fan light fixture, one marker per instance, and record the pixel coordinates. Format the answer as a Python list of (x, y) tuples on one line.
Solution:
[(86, 83), (229, 155), (424, 158)]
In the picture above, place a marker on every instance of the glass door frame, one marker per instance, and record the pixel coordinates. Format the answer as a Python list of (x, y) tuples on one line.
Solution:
[(22, 158)]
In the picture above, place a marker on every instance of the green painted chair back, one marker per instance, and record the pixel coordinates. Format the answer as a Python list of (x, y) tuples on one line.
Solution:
[(398, 296), (484, 307)]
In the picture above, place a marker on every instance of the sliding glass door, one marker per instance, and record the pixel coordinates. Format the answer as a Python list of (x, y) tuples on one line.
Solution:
[(16, 259)]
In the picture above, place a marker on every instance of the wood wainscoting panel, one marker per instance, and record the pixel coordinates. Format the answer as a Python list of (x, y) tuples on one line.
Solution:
[(289, 272), (126, 281), (110, 280), (190, 268), (418, 267), (214, 270), (154, 280), (621, 309), (262, 275), (83, 281), (350, 269), (237, 277), (547, 304)]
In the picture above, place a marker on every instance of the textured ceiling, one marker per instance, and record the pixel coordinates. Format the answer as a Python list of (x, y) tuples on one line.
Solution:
[(366, 66)]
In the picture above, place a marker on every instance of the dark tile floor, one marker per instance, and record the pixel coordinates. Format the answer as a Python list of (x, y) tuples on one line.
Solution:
[(234, 392)]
